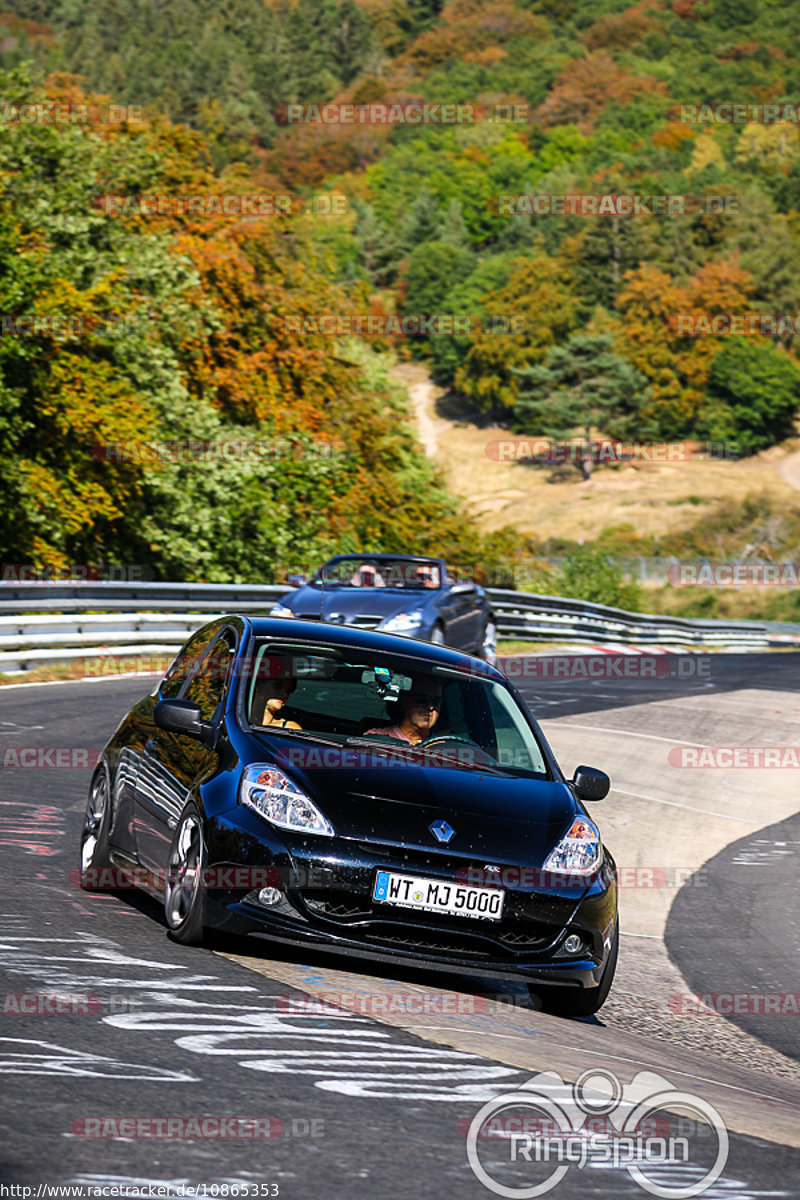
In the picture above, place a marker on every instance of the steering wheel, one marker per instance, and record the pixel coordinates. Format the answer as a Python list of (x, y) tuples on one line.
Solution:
[(464, 741)]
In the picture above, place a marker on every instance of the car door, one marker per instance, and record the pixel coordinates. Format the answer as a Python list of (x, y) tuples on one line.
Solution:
[(472, 614), (457, 608), (171, 762)]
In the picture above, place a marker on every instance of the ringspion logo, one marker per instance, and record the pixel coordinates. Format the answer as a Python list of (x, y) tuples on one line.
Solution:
[(550, 1132)]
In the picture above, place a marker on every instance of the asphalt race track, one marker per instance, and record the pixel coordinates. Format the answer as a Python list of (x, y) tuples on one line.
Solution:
[(757, 880), (137, 1078)]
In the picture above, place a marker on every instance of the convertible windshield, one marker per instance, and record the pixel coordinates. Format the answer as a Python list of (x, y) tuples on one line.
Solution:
[(378, 704), (361, 571)]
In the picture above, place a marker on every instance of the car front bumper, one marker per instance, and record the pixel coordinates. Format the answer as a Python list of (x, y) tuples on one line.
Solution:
[(326, 902)]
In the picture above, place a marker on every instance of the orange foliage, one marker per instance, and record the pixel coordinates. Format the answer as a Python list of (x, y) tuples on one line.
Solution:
[(586, 85), (467, 27), (675, 365), (14, 27), (748, 50), (622, 29), (673, 136), (685, 9)]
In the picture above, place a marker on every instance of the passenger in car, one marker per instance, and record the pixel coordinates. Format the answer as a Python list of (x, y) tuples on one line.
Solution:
[(273, 694), (367, 576), (414, 713)]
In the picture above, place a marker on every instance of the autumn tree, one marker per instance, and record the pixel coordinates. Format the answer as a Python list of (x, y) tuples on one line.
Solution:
[(532, 312)]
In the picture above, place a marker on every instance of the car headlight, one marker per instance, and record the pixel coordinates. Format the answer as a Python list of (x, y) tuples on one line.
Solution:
[(278, 800), (280, 610), (402, 623), (578, 852)]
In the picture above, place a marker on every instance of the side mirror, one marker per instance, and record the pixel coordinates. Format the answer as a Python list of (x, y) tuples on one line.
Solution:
[(183, 716), (297, 580), (590, 784), (460, 588)]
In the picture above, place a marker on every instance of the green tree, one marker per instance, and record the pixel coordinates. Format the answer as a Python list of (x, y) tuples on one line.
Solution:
[(753, 395), (448, 350), (588, 575), (433, 268), (580, 386)]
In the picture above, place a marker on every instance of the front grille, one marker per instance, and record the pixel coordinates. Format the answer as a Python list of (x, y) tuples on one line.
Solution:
[(522, 940), (437, 941), (339, 908)]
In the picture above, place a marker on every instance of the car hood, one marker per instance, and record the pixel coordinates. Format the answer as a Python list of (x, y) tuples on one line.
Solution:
[(493, 814), (348, 603)]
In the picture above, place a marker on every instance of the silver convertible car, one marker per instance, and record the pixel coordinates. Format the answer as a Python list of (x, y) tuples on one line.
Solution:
[(403, 594)]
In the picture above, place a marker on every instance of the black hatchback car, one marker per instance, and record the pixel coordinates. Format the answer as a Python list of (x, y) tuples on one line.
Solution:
[(360, 793)]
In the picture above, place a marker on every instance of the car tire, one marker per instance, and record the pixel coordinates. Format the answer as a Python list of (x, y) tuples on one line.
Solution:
[(578, 1002), (437, 635), (95, 859), (184, 895), (488, 648)]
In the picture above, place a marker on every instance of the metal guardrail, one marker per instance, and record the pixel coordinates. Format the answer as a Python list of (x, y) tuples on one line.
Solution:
[(51, 622)]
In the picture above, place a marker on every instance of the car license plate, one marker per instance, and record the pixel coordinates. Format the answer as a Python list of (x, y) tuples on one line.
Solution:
[(438, 896)]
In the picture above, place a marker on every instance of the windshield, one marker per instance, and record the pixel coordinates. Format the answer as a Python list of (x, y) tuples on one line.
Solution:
[(361, 571), (389, 705)]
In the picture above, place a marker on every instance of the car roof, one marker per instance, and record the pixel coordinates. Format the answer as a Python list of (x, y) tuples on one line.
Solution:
[(318, 633), (418, 558)]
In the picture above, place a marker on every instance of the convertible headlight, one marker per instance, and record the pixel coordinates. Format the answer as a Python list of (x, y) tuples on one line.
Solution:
[(275, 798), (578, 852), (402, 623), (280, 610)]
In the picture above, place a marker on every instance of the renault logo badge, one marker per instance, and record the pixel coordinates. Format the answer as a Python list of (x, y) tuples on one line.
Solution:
[(441, 831)]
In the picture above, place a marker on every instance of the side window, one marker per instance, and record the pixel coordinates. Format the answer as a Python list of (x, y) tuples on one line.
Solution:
[(207, 686), (186, 662), (516, 745)]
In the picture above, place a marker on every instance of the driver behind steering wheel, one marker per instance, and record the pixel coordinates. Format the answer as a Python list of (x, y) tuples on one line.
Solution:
[(414, 713)]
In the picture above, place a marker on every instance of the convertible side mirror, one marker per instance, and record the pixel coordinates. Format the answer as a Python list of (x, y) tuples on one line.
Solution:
[(297, 580), (183, 716), (590, 784)]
